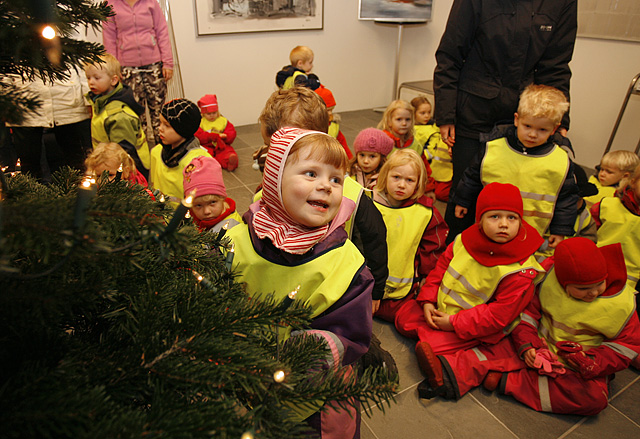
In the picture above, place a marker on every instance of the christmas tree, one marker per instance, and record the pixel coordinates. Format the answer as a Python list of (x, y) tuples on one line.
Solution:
[(117, 320)]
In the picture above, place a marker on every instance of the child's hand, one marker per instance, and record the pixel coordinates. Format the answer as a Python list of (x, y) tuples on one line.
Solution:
[(529, 357), (223, 136), (554, 240), (448, 134), (375, 306), (429, 313), (442, 321), (461, 211), (431, 195)]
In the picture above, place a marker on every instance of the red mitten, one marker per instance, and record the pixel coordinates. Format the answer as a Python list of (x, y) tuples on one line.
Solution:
[(573, 354), (547, 363)]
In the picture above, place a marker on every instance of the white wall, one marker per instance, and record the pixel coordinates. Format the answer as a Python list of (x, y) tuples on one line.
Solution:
[(355, 59)]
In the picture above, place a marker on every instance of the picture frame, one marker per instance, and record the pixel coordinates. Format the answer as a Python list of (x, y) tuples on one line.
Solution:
[(416, 11), (215, 17)]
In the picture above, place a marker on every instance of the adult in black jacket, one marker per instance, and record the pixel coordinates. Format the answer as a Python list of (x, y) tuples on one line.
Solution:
[(491, 50)]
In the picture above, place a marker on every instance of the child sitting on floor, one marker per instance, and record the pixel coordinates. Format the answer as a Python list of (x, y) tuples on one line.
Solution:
[(614, 167), (298, 73), (216, 133), (579, 329), (372, 147), (294, 236), (111, 158), (334, 119), (211, 208)]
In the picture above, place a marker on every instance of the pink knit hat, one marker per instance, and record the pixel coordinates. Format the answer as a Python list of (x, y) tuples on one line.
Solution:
[(373, 140), (208, 104), (204, 174)]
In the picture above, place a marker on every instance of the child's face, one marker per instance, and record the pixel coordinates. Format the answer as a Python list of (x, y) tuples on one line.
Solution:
[(369, 161), (500, 226), (586, 293), (168, 135), (401, 121), (305, 66), (401, 183), (99, 80), (206, 210), (423, 114), (110, 165), (311, 190), (534, 131), (610, 175), (211, 116)]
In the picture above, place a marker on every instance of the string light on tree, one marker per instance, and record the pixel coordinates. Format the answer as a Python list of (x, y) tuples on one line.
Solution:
[(228, 262), (279, 376), (288, 300), (86, 192), (179, 214)]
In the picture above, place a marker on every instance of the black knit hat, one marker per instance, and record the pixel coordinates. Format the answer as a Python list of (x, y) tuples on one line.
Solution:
[(183, 116)]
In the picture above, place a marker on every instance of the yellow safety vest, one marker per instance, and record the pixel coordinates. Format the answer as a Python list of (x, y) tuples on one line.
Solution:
[(334, 129), (405, 227), (169, 180), (603, 191), (539, 178), (582, 222), (290, 81), (436, 150), (99, 133), (587, 323), (467, 283), (620, 225), (214, 126)]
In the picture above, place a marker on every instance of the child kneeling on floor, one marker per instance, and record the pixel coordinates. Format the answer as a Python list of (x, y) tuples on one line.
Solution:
[(294, 235)]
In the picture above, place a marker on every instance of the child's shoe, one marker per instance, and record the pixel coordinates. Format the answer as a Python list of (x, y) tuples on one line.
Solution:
[(492, 380), (429, 364), (376, 356), (233, 162)]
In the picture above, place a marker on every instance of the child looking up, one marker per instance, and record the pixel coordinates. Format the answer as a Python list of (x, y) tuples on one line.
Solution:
[(618, 220), (526, 155), (111, 158), (115, 111), (216, 133), (427, 134), (334, 119), (415, 230), (614, 167), (294, 235), (179, 121), (211, 209), (298, 73), (372, 147), (563, 351)]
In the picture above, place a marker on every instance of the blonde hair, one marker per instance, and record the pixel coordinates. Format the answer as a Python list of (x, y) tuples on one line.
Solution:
[(543, 101), (420, 100), (626, 181), (625, 161), (103, 152), (109, 64), (300, 53), (403, 157), (399, 104), (298, 107), (323, 148)]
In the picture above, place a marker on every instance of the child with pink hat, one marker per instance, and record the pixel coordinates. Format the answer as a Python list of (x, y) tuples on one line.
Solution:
[(211, 209), (372, 147), (216, 133)]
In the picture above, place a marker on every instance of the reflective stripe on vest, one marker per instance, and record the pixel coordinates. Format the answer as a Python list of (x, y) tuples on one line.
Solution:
[(467, 283), (215, 126), (587, 323), (620, 225), (539, 189), (99, 133), (168, 180), (437, 152), (603, 191), (405, 227), (322, 279)]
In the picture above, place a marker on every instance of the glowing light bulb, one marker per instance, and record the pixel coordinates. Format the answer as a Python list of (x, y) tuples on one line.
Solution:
[(247, 435), (48, 32), (278, 376)]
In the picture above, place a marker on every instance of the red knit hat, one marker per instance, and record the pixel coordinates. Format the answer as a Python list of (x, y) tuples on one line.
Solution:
[(499, 196), (208, 104), (373, 140), (579, 261), (204, 174), (326, 96)]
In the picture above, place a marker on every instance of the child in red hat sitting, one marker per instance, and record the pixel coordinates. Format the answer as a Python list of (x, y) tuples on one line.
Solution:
[(211, 208), (579, 329), (216, 133)]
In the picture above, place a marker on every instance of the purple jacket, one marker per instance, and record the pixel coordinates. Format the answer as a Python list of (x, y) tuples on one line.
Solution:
[(349, 318), (137, 35)]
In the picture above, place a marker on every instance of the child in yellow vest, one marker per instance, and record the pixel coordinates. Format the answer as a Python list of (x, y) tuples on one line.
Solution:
[(211, 208), (614, 167), (334, 119), (438, 153), (216, 133), (298, 73), (294, 236), (372, 147)]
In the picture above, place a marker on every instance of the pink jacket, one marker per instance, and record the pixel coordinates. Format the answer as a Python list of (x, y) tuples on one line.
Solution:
[(137, 35)]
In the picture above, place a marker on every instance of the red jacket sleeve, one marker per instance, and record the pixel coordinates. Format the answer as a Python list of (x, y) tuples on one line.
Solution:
[(429, 291), (595, 214), (208, 140), (616, 354), (343, 142), (230, 131), (432, 244)]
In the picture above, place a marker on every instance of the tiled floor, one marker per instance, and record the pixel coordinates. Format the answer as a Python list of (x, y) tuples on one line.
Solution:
[(479, 414)]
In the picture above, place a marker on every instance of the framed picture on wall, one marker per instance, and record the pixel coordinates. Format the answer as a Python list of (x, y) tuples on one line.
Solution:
[(239, 16), (406, 11)]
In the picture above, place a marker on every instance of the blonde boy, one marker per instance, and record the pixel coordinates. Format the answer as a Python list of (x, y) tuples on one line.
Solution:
[(298, 73), (115, 111), (614, 167), (526, 155)]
